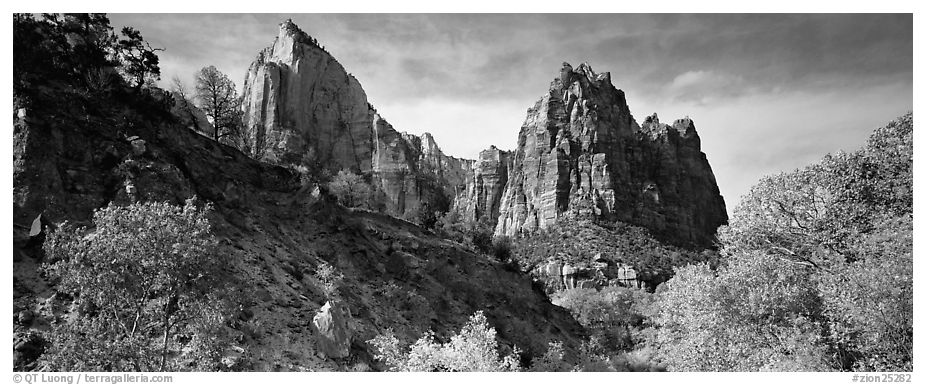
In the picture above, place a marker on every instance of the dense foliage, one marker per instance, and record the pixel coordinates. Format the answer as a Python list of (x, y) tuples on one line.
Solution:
[(613, 315), (146, 283), (81, 50), (474, 349), (817, 271), (754, 313)]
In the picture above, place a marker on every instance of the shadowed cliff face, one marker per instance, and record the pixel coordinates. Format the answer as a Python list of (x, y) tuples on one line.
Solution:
[(580, 152)]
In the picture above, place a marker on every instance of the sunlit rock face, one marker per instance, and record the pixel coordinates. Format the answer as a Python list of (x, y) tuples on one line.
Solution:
[(481, 199), (302, 107), (580, 152), (300, 104)]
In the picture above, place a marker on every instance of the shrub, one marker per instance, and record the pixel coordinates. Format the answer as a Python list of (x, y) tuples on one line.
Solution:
[(576, 241), (329, 279), (553, 360), (502, 248), (613, 315), (474, 349), (351, 190)]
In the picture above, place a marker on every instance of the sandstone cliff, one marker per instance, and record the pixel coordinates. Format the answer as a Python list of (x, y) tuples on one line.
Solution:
[(580, 152), (415, 175), (301, 106), (484, 189)]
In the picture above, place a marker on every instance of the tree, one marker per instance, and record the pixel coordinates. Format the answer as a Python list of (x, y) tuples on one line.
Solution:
[(813, 215), (869, 302), (184, 108), (817, 271), (752, 314), (146, 271), (138, 58), (613, 315), (90, 38), (351, 190), (218, 99), (68, 47), (783, 215), (81, 50), (474, 349)]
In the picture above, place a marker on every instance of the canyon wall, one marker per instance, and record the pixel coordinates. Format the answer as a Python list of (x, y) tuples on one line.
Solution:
[(579, 152), (302, 107)]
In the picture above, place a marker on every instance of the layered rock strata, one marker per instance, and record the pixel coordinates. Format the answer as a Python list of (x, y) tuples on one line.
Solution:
[(484, 189), (415, 175), (580, 152), (302, 107)]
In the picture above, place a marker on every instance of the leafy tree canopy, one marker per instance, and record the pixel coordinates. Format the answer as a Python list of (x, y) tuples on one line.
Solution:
[(143, 274)]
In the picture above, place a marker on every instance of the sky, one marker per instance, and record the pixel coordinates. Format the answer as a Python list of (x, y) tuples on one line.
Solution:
[(767, 93)]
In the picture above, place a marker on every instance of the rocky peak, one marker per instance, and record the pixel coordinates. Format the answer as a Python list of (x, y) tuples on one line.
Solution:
[(301, 106), (580, 152), (291, 30), (684, 128), (485, 186)]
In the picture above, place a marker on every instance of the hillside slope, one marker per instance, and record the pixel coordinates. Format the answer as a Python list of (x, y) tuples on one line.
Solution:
[(76, 151)]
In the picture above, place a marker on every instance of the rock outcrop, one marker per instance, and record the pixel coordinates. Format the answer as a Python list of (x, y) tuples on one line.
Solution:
[(332, 333), (415, 175), (301, 106), (483, 194), (580, 152)]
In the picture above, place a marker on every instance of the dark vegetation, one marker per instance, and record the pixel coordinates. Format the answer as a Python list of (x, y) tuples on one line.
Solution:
[(145, 289), (79, 54)]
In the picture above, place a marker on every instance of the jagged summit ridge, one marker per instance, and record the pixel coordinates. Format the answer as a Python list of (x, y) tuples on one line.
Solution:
[(302, 107), (581, 152)]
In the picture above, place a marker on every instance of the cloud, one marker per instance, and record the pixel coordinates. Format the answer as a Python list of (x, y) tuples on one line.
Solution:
[(704, 86)]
